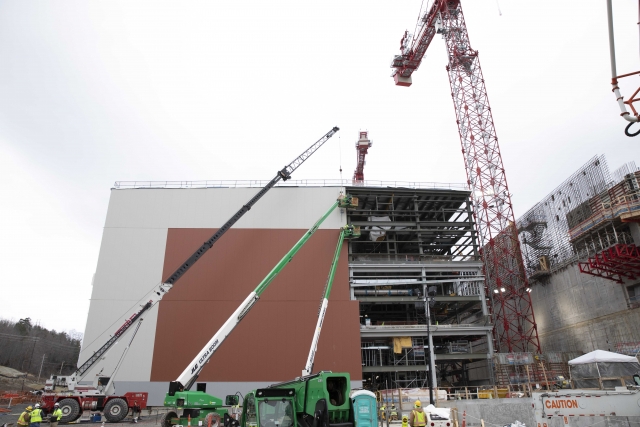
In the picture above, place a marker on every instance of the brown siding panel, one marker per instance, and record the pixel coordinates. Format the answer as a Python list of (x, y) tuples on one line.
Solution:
[(272, 341)]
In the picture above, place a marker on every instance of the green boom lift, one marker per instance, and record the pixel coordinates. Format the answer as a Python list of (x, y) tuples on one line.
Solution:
[(198, 406)]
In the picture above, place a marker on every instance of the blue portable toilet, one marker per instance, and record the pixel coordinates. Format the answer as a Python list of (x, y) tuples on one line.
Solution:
[(365, 409)]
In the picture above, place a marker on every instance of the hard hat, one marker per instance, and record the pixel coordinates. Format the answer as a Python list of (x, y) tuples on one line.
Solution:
[(56, 404), (404, 418), (37, 405), (29, 408), (418, 404)]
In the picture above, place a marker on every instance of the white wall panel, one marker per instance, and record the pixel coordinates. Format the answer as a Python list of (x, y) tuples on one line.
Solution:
[(296, 208), (129, 265)]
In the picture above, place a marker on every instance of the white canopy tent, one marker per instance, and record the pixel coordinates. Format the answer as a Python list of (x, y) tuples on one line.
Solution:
[(597, 356), (603, 369)]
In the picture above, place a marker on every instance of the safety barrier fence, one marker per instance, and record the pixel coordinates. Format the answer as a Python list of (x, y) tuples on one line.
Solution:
[(8, 399)]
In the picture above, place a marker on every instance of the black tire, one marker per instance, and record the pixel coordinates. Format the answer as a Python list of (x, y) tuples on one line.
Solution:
[(115, 410), (214, 418), (70, 410), (165, 420)]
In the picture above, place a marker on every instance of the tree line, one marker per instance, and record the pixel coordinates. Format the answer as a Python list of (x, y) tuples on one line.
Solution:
[(37, 350)]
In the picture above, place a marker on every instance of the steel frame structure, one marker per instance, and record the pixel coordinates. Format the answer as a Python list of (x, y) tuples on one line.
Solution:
[(412, 242), (506, 282), (615, 263)]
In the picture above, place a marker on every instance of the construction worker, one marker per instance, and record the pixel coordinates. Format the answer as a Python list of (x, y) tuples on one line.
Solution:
[(383, 410), (393, 416), (36, 416), (55, 415), (405, 421), (417, 418), (25, 417)]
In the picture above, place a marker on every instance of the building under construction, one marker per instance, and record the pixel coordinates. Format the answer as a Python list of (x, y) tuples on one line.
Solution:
[(580, 245), (407, 301)]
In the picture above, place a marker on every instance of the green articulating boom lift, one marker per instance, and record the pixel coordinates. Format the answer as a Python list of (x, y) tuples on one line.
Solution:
[(198, 406), (320, 400)]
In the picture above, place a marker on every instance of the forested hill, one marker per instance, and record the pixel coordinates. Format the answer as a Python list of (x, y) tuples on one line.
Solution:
[(23, 345)]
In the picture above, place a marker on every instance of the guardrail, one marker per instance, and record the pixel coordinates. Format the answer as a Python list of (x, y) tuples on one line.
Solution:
[(123, 185)]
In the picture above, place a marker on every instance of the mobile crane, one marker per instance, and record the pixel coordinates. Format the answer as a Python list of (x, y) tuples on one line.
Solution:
[(198, 406), (100, 396)]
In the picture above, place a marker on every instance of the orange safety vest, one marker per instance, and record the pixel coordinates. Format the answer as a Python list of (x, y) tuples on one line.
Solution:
[(418, 419)]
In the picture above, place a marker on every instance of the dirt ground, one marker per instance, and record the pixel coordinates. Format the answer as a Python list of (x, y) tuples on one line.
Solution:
[(149, 417), (12, 380)]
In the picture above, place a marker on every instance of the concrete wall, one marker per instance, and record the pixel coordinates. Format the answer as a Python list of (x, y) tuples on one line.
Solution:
[(502, 412), (579, 312), (132, 254), (494, 412)]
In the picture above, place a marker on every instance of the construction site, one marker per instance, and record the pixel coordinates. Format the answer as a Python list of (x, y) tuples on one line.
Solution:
[(326, 303)]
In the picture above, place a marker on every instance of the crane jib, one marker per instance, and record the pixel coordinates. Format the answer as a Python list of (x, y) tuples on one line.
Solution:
[(284, 174)]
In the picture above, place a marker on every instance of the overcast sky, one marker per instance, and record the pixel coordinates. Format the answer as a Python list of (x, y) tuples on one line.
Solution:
[(93, 92)]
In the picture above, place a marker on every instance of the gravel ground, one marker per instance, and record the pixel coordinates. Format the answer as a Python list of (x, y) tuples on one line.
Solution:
[(148, 418)]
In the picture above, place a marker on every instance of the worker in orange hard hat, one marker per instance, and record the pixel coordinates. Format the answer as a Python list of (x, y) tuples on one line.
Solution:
[(417, 418)]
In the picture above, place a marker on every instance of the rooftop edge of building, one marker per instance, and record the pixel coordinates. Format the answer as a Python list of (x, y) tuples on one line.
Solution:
[(136, 185)]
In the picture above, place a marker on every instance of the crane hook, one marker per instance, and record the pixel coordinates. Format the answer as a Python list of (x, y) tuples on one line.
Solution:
[(626, 130)]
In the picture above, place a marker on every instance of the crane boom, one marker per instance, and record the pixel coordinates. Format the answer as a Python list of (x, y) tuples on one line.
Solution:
[(158, 292), (283, 174), (507, 286), (189, 376), (346, 232)]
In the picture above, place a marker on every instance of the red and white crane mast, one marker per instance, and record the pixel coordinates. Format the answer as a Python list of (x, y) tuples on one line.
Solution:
[(362, 146), (515, 328)]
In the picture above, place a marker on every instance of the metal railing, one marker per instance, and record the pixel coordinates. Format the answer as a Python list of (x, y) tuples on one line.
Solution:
[(123, 185)]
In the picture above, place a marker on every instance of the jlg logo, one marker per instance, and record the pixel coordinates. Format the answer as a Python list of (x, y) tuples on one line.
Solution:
[(204, 356)]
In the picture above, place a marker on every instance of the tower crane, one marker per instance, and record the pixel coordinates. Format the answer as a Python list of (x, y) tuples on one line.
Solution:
[(507, 287), (362, 146)]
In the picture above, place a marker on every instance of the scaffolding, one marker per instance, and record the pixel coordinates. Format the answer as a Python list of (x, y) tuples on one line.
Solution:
[(585, 218)]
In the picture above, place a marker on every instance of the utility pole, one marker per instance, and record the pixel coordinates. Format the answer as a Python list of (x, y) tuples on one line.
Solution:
[(41, 363), (35, 340), (61, 366)]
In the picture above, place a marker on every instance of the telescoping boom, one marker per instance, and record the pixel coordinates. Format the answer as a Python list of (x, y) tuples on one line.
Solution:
[(154, 296), (189, 376), (346, 232)]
